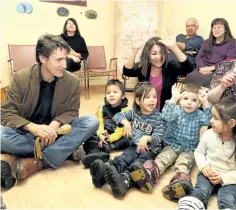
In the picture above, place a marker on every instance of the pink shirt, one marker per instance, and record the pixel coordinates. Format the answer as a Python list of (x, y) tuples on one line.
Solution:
[(157, 83)]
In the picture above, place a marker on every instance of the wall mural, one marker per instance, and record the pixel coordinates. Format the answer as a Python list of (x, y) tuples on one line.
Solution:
[(70, 2)]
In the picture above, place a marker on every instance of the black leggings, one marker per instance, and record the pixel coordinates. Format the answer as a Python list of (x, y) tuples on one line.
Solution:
[(71, 65)]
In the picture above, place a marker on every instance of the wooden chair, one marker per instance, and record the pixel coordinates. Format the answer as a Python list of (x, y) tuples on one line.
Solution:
[(82, 75), (21, 56), (97, 66)]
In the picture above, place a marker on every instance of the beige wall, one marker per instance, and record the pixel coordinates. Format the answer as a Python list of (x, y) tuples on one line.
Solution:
[(175, 14), (16, 28)]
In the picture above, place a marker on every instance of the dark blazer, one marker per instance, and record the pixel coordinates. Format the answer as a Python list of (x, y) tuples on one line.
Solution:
[(23, 93), (170, 74)]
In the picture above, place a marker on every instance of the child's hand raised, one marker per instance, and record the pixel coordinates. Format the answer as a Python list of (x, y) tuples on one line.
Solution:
[(207, 172), (142, 145), (175, 91), (203, 98)]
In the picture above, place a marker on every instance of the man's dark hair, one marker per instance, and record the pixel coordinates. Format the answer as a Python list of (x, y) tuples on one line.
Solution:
[(48, 43)]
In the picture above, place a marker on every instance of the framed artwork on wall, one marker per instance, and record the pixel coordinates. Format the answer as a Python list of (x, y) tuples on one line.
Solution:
[(70, 2)]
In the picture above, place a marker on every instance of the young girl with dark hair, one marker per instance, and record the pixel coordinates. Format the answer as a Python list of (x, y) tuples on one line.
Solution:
[(216, 159)]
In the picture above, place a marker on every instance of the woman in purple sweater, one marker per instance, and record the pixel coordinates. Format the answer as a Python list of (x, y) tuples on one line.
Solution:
[(218, 47)]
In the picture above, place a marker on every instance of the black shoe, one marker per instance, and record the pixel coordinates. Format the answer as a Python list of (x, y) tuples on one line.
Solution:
[(97, 171), (3, 206), (7, 180), (120, 183), (88, 159)]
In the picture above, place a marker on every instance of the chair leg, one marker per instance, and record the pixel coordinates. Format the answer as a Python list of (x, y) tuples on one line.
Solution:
[(87, 75)]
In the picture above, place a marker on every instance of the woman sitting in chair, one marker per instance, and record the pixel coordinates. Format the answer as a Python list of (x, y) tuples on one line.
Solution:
[(219, 47), (77, 44)]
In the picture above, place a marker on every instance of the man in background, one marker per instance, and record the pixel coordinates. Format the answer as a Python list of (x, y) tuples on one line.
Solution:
[(190, 43)]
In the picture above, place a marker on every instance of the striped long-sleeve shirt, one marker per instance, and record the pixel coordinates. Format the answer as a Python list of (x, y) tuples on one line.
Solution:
[(144, 125)]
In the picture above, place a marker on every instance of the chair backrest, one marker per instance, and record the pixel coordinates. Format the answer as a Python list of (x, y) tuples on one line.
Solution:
[(21, 56), (96, 58)]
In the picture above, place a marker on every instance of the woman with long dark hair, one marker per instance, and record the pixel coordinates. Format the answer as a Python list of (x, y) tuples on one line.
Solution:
[(155, 68), (218, 47), (79, 51)]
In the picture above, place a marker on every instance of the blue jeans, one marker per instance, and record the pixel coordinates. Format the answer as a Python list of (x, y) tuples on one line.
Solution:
[(22, 144), (226, 194)]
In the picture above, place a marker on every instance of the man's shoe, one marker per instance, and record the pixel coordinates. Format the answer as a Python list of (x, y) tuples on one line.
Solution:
[(91, 157), (7, 180), (179, 186), (26, 166), (78, 155), (97, 170), (145, 175)]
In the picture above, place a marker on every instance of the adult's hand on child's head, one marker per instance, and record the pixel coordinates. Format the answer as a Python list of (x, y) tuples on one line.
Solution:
[(207, 171), (228, 80), (142, 145), (215, 178)]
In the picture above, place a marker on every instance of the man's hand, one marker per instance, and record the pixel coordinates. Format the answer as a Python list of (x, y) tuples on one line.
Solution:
[(142, 145), (206, 70), (215, 178), (228, 80), (207, 171), (175, 91), (46, 134), (190, 52), (55, 125)]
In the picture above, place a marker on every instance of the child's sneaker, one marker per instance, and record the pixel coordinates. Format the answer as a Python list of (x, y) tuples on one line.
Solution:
[(179, 186), (97, 171), (190, 203), (7, 180), (119, 183), (88, 159), (145, 175)]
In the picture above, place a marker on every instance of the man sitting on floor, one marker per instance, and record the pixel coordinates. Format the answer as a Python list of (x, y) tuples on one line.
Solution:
[(39, 101)]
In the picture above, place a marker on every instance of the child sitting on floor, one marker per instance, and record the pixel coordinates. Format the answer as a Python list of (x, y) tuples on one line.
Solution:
[(146, 133), (184, 121), (109, 136), (216, 159)]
